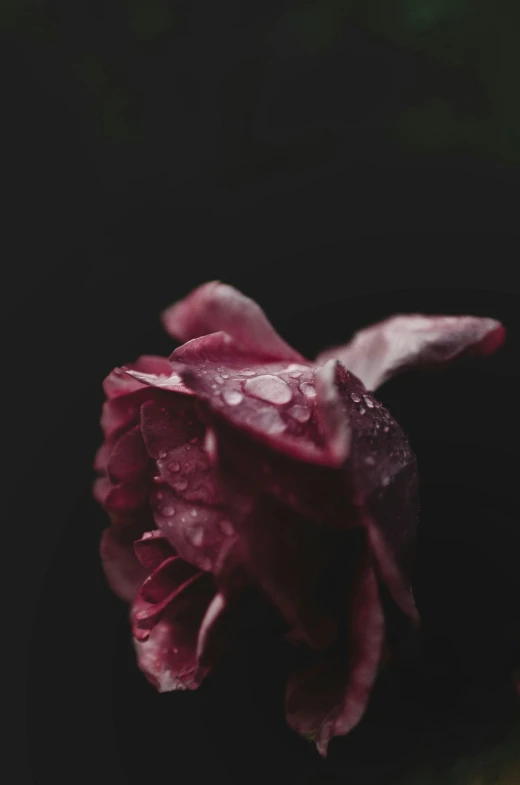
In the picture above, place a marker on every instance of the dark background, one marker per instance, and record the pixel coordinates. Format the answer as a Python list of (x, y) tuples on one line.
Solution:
[(338, 161)]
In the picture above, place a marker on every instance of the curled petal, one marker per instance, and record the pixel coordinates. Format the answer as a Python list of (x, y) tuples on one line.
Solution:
[(152, 549), (128, 458), (329, 698), (381, 351), (168, 655), (195, 531), (174, 437), (123, 571), (273, 402), (215, 306), (119, 382)]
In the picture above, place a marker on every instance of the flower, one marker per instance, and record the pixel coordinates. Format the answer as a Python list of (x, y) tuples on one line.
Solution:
[(237, 472)]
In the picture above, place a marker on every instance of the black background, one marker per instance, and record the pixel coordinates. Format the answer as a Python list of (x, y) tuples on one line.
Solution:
[(294, 193)]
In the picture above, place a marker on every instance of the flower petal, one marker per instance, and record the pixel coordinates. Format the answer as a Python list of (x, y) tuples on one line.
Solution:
[(118, 382), (128, 458), (329, 698), (274, 402), (195, 531), (215, 306), (383, 350), (152, 549), (168, 655), (123, 571), (174, 437)]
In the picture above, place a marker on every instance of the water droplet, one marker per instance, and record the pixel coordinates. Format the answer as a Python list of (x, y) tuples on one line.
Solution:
[(266, 420), (269, 388), (195, 535), (369, 460), (221, 368), (355, 397), (386, 481), (308, 389), (369, 402), (194, 513), (175, 651), (219, 380), (300, 413), (226, 527), (386, 428), (232, 397), (181, 485), (362, 410), (247, 372), (174, 466), (295, 374), (225, 375), (158, 478), (168, 511), (377, 403), (163, 454)]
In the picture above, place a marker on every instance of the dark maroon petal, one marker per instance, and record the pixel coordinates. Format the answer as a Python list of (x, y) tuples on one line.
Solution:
[(196, 532), (122, 413), (174, 437), (123, 571), (395, 580), (329, 698), (287, 555), (152, 549), (215, 306), (168, 655), (145, 615), (167, 577), (128, 458), (127, 497), (383, 350)]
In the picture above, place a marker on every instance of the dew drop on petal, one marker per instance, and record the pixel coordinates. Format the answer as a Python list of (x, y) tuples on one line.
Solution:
[(362, 410), (232, 397), (386, 428), (195, 535), (295, 374), (369, 460), (163, 454), (219, 380), (247, 372), (168, 511), (355, 397), (308, 389), (181, 485), (225, 375), (174, 466), (269, 388), (300, 413), (226, 527), (194, 513), (369, 402)]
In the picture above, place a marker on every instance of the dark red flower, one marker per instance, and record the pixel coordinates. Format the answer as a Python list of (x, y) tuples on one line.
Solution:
[(240, 465)]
